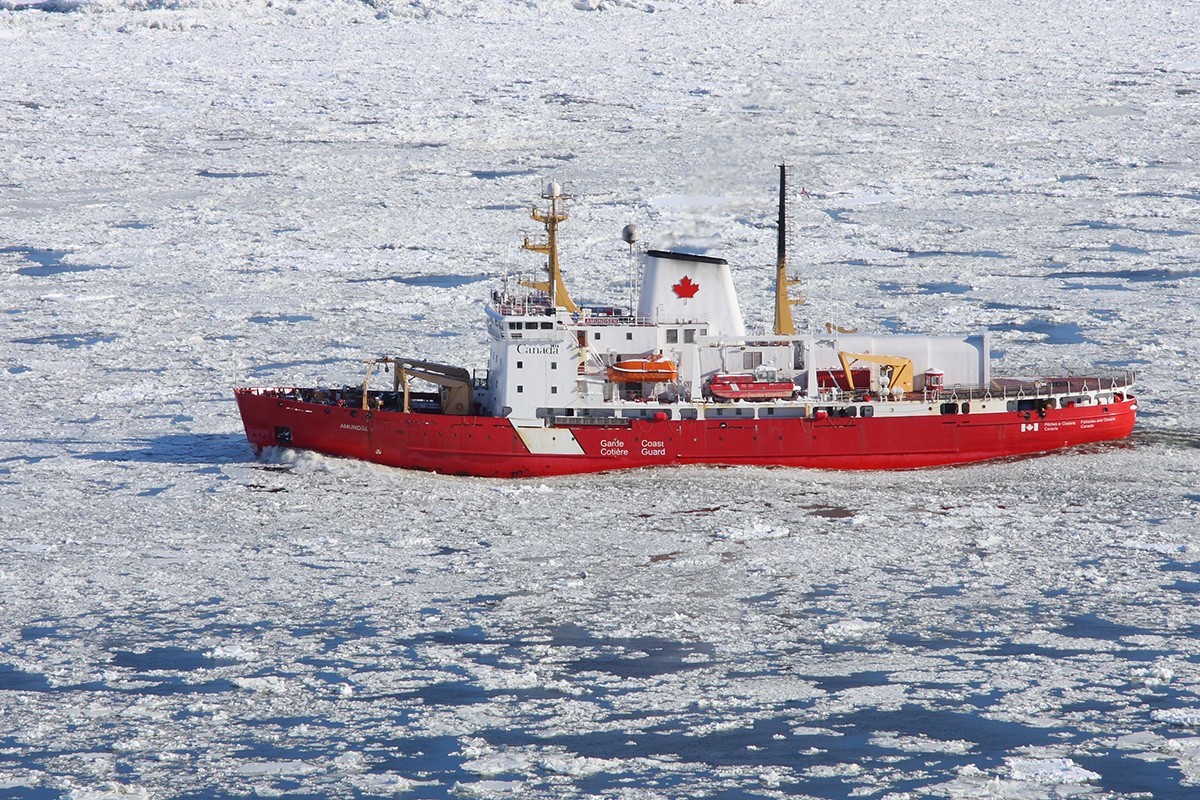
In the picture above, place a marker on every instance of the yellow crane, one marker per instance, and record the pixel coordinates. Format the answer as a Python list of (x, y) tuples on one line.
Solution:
[(455, 389), (896, 372)]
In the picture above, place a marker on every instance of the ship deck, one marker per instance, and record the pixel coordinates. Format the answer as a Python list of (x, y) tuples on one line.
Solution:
[(1013, 393)]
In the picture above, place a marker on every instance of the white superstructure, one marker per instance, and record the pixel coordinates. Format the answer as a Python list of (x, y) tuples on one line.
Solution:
[(548, 361)]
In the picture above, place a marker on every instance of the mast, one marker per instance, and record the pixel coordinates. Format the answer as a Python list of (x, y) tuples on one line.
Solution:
[(784, 326), (554, 287)]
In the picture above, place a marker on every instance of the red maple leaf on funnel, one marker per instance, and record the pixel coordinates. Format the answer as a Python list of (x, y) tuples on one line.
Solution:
[(686, 288)]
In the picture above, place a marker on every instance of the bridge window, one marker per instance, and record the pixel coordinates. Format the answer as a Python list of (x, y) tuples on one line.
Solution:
[(689, 336), (672, 336), (520, 388), (546, 326)]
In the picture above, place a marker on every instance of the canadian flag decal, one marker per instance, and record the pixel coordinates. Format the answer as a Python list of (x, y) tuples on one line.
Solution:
[(686, 288)]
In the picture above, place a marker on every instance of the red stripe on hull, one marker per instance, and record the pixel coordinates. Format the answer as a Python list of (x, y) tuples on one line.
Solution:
[(491, 446)]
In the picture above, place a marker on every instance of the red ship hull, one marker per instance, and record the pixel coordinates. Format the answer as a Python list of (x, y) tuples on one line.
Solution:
[(495, 447)]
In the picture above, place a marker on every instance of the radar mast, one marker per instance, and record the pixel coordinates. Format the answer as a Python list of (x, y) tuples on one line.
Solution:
[(554, 286), (784, 326)]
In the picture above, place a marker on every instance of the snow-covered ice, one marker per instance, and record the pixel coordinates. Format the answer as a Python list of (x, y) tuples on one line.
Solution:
[(198, 194)]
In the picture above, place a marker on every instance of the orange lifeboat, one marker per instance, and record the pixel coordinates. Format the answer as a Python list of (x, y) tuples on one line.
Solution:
[(656, 369)]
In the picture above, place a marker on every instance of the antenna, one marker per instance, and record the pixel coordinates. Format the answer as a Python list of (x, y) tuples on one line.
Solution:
[(632, 235), (554, 286), (784, 326)]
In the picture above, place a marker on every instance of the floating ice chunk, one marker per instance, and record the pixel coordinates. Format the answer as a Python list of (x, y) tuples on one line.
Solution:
[(1175, 549), (540, 488), (921, 744), (970, 781), (108, 791), (757, 529), (386, 783), (492, 678), (1143, 740), (575, 766), (269, 684), (851, 629), (352, 761), (1184, 717), (834, 770), (1157, 675), (1188, 746), (1049, 771), (488, 788), (863, 199), (315, 543), (1187, 752), (718, 726), (771, 779), (810, 730), (499, 764), (991, 542), (888, 697), (689, 201), (232, 652), (770, 689), (290, 767), (34, 548), (11, 781)]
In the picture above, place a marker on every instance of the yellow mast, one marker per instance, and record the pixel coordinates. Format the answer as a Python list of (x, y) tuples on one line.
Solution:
[(554, 286), (784, 326)]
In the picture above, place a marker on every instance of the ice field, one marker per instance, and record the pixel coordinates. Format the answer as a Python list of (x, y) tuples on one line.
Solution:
[(196, 195)]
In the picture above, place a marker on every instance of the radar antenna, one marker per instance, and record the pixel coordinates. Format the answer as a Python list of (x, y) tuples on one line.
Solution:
[(632, 235)]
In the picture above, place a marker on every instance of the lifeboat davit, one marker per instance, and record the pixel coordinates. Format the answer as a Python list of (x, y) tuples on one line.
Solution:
[(749, 387), (656, 369)]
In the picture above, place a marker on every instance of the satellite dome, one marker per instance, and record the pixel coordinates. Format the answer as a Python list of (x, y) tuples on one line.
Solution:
[(631, 233)]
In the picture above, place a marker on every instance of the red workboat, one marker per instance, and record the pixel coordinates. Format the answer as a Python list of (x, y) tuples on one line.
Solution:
[(679, 380), (751, 386)]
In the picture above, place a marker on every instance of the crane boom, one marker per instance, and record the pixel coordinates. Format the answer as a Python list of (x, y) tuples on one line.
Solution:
[(901, 369)]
